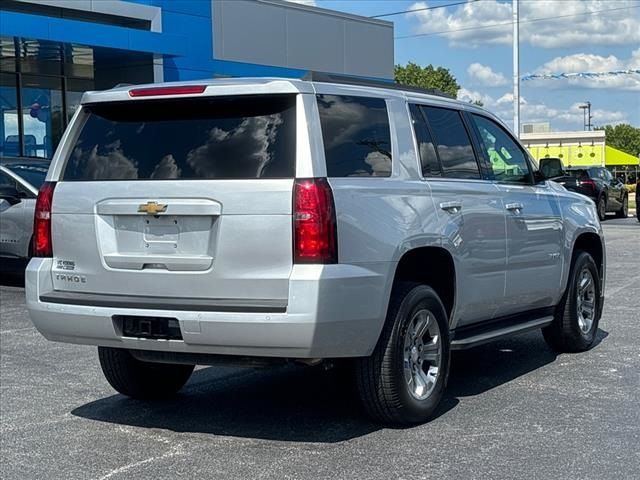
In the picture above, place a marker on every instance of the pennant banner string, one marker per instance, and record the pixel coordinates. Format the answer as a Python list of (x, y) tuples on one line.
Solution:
[(557, 76)]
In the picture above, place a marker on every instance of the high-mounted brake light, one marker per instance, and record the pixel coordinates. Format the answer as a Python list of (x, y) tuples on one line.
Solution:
[(42, 242), (177, 90), (314, 222)]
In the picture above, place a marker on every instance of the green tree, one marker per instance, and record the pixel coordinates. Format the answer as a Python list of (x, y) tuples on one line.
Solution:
[(623, 137), (427, 77)]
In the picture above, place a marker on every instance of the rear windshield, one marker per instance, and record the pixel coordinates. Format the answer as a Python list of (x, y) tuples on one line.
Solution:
[(213, 138)]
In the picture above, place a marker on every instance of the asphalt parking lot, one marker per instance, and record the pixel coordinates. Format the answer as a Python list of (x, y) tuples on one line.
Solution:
[(513, 409)]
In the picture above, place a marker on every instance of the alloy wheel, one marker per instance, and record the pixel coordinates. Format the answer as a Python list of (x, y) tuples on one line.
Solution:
[(422, 354), (586, 300)]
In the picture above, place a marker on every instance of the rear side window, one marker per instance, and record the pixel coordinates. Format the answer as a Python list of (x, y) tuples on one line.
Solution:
[(453, 143), (211, 138), (426, 149), (356, 136)]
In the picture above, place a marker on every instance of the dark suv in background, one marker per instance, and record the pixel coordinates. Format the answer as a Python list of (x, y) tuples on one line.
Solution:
[(609, 193)]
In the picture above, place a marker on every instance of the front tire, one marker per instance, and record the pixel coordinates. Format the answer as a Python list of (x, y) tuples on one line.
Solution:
[(576, 321), (624, 209), (142, 380), (404, 379)]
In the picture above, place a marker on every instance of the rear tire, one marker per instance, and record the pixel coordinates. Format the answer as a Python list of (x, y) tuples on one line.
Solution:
[(576, 320), (404, 379), (602, 208), (624, 209), (141, 380)]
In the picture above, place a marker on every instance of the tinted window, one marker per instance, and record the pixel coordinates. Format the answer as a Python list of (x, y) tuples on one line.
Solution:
[(426, 149), (596, 173), (356, 136), (580, 174), (32, 174), (506, 158), (216, 138), (453, 143), (7, 181)]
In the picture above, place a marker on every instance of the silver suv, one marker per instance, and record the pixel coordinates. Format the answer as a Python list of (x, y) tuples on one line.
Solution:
[(262, 220)]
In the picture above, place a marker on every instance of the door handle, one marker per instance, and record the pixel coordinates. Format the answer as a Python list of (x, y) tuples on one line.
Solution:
[(516, 206), (451, 207)]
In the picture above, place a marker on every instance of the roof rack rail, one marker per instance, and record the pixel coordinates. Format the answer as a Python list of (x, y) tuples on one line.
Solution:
[(322, 77)]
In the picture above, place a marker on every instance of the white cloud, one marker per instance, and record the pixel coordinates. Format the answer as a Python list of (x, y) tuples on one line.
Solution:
[(474, 96), (560, 118), (507, 98), (567, 118), (582, 62), (615, 27), (462, 19), (484, 75), (587, 62)]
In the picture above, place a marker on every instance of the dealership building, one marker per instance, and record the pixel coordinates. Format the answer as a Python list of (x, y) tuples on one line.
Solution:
[(51, 51)]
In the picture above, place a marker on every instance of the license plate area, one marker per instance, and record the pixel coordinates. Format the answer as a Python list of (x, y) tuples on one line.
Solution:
[(154, 328), (161, 229)]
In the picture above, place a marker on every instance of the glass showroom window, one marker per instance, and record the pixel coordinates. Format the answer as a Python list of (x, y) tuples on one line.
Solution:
[(9, 136), (42, 114)]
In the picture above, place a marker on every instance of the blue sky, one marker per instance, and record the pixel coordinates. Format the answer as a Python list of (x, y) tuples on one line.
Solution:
[(565, 36)]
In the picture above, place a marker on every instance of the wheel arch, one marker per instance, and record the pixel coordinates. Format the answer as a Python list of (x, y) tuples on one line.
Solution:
[(591, 243), (433, 266)]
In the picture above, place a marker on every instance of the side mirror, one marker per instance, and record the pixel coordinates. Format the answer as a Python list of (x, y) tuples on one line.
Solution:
[(10, 194), (551, 168)]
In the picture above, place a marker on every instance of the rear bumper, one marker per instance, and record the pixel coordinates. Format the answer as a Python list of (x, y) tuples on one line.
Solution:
[(332, 311)]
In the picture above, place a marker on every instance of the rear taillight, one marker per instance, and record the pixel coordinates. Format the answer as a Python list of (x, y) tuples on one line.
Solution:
[(314, 222), (588, 183), (42, 244)]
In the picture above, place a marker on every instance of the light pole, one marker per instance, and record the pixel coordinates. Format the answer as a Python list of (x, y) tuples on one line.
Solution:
[(586, 116), (516, 67)]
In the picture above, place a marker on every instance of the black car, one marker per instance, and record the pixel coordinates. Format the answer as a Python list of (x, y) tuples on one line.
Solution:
[(609, 193)]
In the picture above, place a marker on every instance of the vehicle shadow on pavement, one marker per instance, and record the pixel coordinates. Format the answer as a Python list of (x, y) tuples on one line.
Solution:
[(480, 369), (12, 272), (11, 279), (298, 404), (303, 404)]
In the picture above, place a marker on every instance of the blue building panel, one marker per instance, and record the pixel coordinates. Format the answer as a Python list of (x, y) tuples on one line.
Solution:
[(91, 34), (200, 8)]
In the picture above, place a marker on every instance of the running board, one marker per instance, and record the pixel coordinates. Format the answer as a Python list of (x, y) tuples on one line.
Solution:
[(474, 335)]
